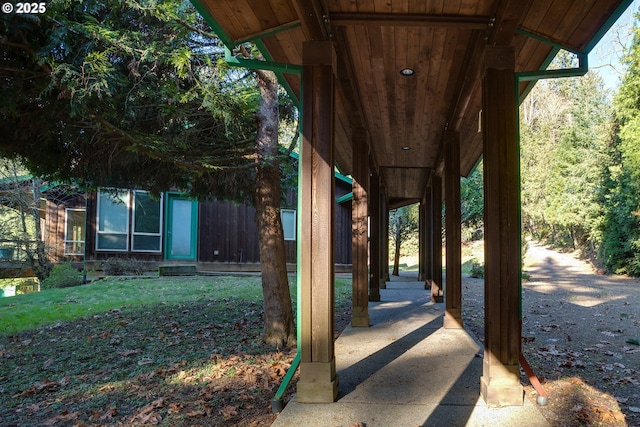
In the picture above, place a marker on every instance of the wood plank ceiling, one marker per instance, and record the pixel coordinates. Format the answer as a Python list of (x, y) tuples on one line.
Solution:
[(441, 41)]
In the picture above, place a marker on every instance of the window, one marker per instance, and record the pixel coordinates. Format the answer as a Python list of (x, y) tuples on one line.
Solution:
[(113, 221), (125, 217), (288, 217), (74, 232), (147, 223)]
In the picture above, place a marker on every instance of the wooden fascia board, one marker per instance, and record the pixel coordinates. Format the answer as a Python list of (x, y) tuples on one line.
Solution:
[(413, 20)]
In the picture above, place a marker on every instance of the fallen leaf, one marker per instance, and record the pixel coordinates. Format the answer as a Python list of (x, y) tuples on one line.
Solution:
[(111, 412), (228, 411), (175, 407), (197, 413)]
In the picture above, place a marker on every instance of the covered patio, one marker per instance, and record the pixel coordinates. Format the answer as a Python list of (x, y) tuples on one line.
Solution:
[(407, 96)]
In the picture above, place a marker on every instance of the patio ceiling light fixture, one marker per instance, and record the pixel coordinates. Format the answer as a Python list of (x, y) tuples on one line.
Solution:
[(406, 148), (407, 72)]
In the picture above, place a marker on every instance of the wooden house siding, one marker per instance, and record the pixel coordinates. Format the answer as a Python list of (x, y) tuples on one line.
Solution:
[(54, 226), (227, 232)]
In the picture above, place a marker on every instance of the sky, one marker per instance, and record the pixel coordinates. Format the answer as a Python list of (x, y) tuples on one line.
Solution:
[(605, 56)]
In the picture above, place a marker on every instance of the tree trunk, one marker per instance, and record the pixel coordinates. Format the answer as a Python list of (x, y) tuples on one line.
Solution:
[(279, 329), (398, 241), (30, 210), (41, 265)]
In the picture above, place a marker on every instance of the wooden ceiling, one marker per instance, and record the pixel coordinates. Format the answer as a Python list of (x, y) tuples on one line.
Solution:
[(441, 41)]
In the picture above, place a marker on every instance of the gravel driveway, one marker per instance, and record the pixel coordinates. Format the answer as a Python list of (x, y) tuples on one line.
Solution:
[(581, 336)]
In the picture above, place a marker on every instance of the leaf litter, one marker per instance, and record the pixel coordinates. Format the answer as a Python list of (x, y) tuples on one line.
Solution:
[(161, 365), (583, 353)]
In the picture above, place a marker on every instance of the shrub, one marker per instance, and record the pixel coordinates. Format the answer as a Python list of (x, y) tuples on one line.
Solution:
[(122, 267), (477, 270), (63, 276)]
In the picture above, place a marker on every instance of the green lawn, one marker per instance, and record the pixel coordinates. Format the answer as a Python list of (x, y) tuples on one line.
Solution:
[(33, 310), (164, 351)]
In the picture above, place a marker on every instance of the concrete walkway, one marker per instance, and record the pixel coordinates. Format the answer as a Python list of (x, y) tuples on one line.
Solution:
[(406, 370)]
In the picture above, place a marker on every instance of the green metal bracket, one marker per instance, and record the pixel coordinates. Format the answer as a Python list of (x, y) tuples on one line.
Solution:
[(254, 64), (545, 40), (580, 70), (277, 404), (346, 198), (229, 44)]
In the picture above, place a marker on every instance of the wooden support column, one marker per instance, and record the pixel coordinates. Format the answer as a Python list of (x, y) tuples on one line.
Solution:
[(384, 238), (359, 227), (374, 237), (453, 286), (421, 240), (500, 382), (436, 238), (318, 380), (428, 240)]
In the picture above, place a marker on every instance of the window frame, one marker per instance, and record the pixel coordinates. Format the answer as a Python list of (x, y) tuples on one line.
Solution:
[(135, 233), (99, 232), (294, 227), (82, 242)]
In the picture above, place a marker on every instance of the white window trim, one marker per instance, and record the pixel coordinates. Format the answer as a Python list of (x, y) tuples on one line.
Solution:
[(126, 233), (133, 224), (295, 222), (66, 224)]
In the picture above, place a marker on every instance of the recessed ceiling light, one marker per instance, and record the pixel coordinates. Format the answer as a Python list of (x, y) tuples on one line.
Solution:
[(407, 72), (406, 148)]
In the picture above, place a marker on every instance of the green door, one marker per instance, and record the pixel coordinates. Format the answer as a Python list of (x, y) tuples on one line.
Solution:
[(182, 228)]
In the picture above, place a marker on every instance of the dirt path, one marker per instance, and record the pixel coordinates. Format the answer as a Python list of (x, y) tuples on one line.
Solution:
[(580, 333)]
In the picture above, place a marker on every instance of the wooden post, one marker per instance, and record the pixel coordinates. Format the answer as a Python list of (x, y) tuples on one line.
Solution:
[(453, 286), (436, 238), (360, 244), (384, 238), (374, 238), (428, 240), (318, 380), (421, 241), (500, 382)]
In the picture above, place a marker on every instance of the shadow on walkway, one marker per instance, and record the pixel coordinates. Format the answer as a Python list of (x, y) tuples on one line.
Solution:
[(407, 370)]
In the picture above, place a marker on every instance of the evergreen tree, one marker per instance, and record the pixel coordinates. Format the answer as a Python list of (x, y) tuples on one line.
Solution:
[(563, 129), (134, 94), (620, 249)]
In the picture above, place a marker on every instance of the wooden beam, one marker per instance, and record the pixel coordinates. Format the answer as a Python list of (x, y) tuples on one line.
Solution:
[(468, 82), (453, 288), (509, 15), (384, 238), (500, 382), (436, 238), (412, 20), (374, 238), (318, 380), (428, 237), (421, 240), (385, 241), (360, 231), (313, 19)]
